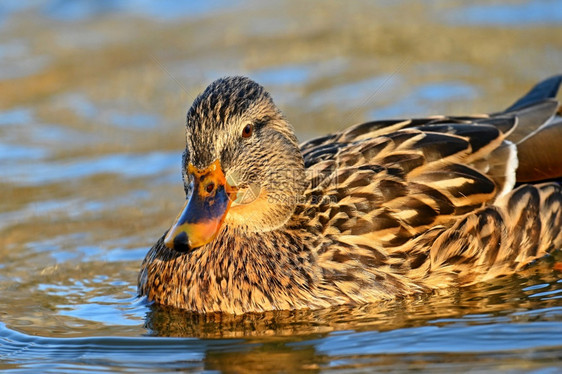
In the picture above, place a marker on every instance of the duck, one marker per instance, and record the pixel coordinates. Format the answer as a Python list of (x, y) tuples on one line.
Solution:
[(382, 210)]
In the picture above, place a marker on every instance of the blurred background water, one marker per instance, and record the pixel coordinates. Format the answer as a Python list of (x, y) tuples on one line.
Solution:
[(93, 96)]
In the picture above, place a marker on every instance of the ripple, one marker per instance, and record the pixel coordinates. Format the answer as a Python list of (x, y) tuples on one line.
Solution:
[(103, 352), (542, 12), (419, 99), (166, 9), (127, 165), (536, 287), (356, 94), (449, 339), (16, 116)]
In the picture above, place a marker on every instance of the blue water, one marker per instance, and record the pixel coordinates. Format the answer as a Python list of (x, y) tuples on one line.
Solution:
[(470, 343), (519, 14)]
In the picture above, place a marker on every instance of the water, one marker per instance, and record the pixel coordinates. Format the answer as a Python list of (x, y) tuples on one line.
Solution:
[(92, 100)]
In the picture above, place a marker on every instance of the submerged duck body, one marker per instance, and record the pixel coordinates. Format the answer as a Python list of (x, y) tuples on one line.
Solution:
[(381, 210)]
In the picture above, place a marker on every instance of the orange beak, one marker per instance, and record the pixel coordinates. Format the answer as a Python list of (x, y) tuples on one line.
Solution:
[(204, 212)]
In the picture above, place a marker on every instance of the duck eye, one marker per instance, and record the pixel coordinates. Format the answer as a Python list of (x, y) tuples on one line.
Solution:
[(247, 130)]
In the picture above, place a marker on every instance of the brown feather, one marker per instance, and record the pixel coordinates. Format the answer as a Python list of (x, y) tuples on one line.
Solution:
[(541, 154)]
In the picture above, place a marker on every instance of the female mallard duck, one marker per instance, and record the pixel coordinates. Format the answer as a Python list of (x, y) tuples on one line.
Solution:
[(381, 210)]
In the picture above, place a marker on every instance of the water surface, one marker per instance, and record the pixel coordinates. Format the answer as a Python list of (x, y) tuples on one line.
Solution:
[(93, 96)]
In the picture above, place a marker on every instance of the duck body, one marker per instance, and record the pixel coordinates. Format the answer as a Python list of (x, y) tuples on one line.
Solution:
[(384, 209)]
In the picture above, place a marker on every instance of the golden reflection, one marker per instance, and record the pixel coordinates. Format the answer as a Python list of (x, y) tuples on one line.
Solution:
[(500, 297), (291, 341)]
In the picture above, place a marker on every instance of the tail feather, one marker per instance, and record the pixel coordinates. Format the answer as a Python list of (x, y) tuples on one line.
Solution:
[(540, 155), (538, 134), (530, 118), (548, 88)]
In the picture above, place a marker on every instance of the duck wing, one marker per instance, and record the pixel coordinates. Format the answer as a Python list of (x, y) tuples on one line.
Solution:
[(396, 185), (396, 178), (538, 128), (435, 195)]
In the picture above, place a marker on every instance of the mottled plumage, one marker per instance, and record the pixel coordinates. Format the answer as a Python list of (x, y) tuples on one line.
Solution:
[(381, 210)]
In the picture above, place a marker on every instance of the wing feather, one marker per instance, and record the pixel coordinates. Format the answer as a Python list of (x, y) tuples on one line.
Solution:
[(393, 186), (433, 199)]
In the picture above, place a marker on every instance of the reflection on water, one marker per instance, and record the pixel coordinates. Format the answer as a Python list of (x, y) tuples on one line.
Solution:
[(506, 323), (501, 301), (93, 96)]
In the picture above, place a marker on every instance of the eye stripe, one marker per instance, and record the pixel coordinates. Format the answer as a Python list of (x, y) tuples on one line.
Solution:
[(259, 124)]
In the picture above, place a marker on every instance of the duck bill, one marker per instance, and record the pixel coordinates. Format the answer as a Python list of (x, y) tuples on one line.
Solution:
[(203, 213)]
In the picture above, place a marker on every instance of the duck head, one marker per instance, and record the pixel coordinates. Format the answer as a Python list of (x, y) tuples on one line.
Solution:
[(242, 166)]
